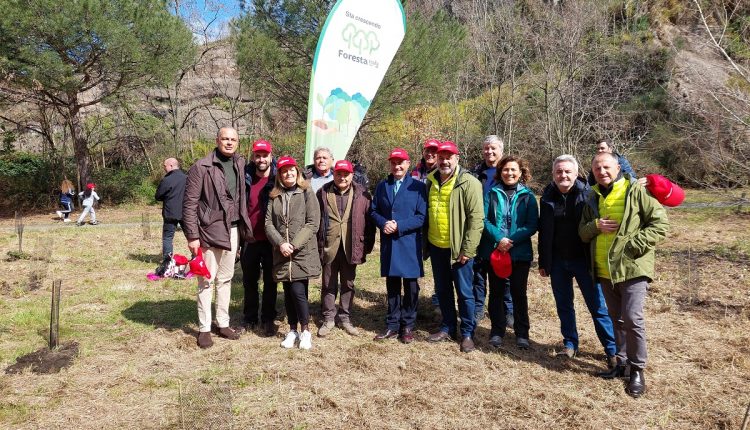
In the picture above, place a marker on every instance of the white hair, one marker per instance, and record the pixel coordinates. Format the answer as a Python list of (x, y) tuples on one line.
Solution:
[(489, 140), (563, 158), (320, 149)]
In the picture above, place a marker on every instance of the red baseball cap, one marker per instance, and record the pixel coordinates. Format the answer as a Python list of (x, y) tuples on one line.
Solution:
[(261, 145), (501, 264), (431, 143), (448, 146), (91, 185), (286, 161), (198, 266), (665, 191), (399, 154), (344, 165)]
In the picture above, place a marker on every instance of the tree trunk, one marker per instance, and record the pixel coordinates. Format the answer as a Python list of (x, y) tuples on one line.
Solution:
[(80, 147)]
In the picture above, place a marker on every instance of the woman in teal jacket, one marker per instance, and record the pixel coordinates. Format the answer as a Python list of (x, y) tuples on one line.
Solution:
[(511, 216)]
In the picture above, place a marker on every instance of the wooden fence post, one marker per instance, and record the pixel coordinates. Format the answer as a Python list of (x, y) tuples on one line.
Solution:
[(54, 319)]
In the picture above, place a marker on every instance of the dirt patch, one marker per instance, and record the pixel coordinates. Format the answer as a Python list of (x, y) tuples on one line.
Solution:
[(45, 361)]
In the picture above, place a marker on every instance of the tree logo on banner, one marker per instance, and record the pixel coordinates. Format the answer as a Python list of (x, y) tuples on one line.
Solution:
[(362, 41)]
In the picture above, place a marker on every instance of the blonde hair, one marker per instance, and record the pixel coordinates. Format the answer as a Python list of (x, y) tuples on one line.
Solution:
[(66, 186), (278, 186)]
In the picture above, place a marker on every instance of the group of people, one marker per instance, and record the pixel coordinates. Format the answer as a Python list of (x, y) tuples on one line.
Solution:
[(88, 199), (293, 225)]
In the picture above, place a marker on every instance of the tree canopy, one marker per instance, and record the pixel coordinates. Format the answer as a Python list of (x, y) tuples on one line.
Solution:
[(74, 54)]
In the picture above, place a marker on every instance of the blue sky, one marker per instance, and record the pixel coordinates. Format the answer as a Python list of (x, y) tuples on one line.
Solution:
[(209, 18)]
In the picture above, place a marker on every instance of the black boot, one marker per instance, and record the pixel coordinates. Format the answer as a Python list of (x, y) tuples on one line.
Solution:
[(637, 385), (616, 372)]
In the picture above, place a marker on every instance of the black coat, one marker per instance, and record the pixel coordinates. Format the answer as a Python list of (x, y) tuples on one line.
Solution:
[(171, 190), (572, 246)]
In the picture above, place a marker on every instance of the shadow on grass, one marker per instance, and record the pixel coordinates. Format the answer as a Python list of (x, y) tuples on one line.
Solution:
[(146, 258), (168, 314)]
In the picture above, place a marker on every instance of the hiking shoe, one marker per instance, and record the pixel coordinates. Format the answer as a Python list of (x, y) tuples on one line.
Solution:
[(349, 328), (566, 352), (496, 341), (522, 343), (326, 328), (467, 344), (78, 224), (305, 340), (94, 223), (289, 340), (59, 214), (204, 340), (228, 333)]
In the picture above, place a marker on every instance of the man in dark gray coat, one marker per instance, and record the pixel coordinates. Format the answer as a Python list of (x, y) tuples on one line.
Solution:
[(170, 191)]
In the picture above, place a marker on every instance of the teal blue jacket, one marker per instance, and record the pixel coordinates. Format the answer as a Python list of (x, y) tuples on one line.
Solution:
[(524, 217)]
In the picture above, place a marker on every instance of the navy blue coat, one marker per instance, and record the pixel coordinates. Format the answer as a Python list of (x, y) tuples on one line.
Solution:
[(400, 252)]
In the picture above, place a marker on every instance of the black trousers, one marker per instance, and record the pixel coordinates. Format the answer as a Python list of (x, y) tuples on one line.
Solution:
[(295, 301), (517, 283), (256, 256), (402, 311), (167, 235)]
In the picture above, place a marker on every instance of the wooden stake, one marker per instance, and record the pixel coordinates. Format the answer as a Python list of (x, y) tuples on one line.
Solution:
[(54, 319)]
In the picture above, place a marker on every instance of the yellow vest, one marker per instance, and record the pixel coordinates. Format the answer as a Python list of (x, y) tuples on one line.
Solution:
[(438, 229), (610, 207)]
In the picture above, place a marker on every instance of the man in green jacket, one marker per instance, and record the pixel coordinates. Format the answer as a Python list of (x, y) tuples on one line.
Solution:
[(455, 213), (623, 224)]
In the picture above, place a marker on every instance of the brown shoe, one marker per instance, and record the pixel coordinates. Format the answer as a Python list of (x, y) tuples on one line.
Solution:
[(326, 328), (204, 340), (467, 344), (439, 336), (407, 336), (387, 335), (349, 328), (269, 329), (228, 333)]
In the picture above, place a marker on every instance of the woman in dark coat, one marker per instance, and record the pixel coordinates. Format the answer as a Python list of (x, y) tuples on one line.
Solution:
[(292, 221), (399, 209)]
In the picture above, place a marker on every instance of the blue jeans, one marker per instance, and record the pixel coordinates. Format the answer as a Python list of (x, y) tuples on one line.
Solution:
[(448, 276), (561, 277), (480, 288)]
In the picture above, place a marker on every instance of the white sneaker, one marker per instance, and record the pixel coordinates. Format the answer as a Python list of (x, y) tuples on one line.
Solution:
[(59, 214), (66, 220), (290, 340), (305, 340)]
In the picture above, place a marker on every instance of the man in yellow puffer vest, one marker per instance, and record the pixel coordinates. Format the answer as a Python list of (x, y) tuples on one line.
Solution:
[(623, 223), (455, 219)]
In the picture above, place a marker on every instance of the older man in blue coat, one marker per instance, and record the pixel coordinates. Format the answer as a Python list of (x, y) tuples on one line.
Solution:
[(399, 209)]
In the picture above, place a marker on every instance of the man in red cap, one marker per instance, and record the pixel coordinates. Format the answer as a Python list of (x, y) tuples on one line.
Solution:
[(424, 167), (214, 209), (623, 224), (454, 228), (399, 208), (346, 235), (257, 252)]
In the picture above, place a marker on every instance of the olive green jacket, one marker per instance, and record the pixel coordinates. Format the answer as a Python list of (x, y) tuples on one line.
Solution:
[(644, 224), (466, 209)]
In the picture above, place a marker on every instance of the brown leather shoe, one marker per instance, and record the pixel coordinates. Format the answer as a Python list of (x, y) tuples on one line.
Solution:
[(386, 335), (467, 344), (407, 336), (269, 329), (204, 340), (228, 333), (439, 336)]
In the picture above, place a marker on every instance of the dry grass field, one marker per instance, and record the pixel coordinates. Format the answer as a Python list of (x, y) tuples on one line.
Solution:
[(139, 365)]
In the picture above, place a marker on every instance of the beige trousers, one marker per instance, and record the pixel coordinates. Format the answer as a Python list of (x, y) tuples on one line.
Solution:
[(220, 263)]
